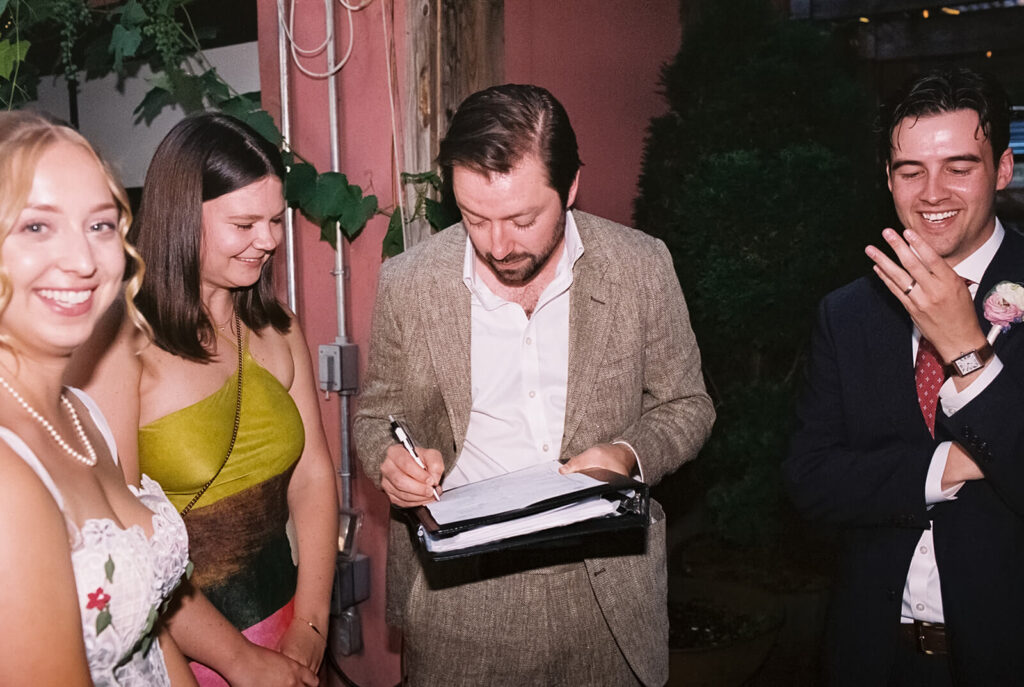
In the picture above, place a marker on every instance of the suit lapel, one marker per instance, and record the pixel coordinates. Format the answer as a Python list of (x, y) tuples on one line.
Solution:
[(590, 320), (446, 307), (1007, 265), (888, 334)]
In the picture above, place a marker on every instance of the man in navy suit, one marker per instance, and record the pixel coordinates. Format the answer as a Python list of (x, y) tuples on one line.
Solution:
[(910, 431)]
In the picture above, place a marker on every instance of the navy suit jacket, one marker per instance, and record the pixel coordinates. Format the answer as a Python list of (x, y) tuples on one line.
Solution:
[(859, 459)]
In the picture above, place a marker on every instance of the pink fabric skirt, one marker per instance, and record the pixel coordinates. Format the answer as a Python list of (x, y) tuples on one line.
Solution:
[(267, 632)]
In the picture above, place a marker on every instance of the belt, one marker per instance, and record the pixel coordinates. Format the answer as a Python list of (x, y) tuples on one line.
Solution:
[(928, 638)]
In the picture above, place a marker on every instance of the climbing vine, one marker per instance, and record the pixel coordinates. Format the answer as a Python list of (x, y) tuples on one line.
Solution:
[(118, 37)]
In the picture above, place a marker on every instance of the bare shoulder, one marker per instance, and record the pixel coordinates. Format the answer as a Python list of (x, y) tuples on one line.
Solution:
[(36, 552), (29, 516), (110, 354)]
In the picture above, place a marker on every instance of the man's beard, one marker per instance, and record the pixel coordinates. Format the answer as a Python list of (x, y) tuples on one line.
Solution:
[(523, 273)]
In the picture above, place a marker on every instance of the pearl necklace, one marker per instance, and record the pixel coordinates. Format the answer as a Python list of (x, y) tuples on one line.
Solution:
[(89, 460)]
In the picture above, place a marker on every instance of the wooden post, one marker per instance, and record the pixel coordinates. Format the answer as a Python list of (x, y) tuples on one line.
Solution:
[(456, 47)]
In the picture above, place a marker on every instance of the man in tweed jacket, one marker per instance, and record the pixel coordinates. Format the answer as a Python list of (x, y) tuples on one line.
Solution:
[(529, 332)]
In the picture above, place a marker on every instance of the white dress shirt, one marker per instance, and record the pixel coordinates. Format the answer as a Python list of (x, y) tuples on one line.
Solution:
[(922, 594), (520, 372)]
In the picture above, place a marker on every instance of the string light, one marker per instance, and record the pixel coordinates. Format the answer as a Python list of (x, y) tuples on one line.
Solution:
[(924, 13), (951, 11), (864, 20)]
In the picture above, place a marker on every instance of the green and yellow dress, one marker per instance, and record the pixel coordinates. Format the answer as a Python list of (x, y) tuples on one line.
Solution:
[(236, 530)]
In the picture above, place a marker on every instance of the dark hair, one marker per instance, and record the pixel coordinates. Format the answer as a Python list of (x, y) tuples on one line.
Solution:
[(948, 90), (495, 128), (203, 157)]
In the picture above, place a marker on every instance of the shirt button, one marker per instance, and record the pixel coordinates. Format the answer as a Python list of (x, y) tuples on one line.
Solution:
[(923, 549), (919, 607), (545, 447), (529, 341), (532, 394)]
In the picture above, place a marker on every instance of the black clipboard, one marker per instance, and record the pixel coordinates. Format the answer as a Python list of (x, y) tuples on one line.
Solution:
[(630, 497)]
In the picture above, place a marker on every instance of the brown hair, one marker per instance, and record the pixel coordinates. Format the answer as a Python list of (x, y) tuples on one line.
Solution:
[(495, 128), (24, 137), (203, 157), (948, 90)]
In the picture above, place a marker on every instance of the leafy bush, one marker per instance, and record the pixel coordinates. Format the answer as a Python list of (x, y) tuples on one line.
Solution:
[(761, 181)]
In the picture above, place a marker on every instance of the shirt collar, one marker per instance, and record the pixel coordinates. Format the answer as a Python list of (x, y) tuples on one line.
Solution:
[(974, 265), (572, 250)]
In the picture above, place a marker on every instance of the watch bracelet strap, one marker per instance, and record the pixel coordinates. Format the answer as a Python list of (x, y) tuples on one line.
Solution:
[(984, 353)]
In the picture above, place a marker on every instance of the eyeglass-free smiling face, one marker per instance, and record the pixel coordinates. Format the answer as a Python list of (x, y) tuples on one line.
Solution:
[(241, 230), (943, 180), (64, 256)]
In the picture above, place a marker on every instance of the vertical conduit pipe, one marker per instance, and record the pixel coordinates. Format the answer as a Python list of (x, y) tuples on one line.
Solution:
[(345, 468), (289, 214)]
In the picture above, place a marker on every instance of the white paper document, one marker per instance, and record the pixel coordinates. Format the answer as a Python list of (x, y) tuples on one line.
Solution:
[(518, 490), (594, 507)]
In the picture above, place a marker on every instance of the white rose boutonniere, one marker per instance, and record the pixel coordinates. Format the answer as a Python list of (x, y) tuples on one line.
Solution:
[(1004, 306)]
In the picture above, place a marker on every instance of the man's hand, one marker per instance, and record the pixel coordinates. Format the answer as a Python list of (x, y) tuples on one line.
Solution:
[(615, 457), (405, 482), (960, 467), (932, 293)]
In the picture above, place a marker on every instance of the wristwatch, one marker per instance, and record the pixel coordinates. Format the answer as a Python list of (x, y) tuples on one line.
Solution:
[(969, 361)]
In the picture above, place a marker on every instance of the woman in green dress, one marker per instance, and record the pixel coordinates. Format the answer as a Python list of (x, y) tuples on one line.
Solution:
[(223, 408)]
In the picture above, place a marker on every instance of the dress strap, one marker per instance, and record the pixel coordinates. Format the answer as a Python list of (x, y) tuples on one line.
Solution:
[(98, 419), (27, 455)]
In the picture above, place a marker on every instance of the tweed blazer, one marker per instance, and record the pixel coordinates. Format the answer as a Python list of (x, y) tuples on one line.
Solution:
[(634, 375)]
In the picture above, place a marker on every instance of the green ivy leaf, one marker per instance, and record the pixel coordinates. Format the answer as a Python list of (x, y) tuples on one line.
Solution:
[(188, 91), (146, 642), (300, 184), (10, 55), (439, 215), (328, 198), (263, 123), (357, 212), (108, 569), (188, 570), (153, 104), (103, 620), (393, 240), (216, 90), (254, 96), (238, 106), (132, 14), (124, 43)]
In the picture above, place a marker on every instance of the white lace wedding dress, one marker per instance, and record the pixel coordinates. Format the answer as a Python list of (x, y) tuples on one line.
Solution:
[(123, 577)]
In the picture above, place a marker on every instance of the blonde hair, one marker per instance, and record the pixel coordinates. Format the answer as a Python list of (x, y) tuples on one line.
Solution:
[(24, 137)]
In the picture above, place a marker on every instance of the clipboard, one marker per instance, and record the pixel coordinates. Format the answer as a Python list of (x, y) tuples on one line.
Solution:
[(482, 516)]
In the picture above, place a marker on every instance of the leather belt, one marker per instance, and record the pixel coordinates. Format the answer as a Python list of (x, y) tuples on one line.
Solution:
[(927, 638)]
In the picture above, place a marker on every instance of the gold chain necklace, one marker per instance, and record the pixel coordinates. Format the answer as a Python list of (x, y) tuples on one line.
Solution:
[(90, 459)]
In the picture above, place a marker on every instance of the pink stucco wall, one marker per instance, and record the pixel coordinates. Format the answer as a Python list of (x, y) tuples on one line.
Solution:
[(601, 58)]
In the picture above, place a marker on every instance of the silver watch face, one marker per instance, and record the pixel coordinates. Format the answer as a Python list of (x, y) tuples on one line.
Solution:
[(966, 364)]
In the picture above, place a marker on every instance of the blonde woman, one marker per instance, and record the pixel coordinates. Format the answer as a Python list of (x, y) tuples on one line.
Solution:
[(88, 561)]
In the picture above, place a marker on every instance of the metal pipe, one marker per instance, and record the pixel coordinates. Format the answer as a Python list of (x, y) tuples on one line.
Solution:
[(289, 215), (345, 467)]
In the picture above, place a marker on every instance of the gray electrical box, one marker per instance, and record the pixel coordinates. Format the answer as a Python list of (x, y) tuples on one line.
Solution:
[(339, 368)]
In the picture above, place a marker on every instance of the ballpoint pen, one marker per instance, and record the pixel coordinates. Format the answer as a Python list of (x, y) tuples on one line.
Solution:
[(405, 440)]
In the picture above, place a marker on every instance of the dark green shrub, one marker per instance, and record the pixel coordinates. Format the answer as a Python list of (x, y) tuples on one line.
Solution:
[(761, 181)]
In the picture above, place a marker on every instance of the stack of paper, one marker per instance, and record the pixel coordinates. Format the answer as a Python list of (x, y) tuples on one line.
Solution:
[(506, 510)]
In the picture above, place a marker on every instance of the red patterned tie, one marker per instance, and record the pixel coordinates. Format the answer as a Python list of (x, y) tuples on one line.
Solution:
[(929, 377)]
